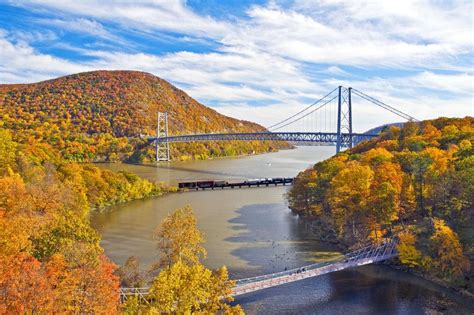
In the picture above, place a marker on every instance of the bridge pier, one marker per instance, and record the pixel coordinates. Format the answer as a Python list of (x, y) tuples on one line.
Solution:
[(338, 141), (162, 148), (344, 119)]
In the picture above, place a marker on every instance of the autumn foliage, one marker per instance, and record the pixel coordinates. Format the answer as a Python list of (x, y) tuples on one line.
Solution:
[(50, 257), (105, 115), (183, 285), (418, 179)]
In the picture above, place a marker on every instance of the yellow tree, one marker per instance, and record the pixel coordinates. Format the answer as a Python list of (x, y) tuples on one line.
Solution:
[(185, 289), (376, 156), (449, 261), (184, 285), (407, 252), (407, 198), (7, 151), (179, 238), (301, 194), (384, 200), (349, 193)]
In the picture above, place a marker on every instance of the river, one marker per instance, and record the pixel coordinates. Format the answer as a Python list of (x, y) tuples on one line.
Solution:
[(252, 232)]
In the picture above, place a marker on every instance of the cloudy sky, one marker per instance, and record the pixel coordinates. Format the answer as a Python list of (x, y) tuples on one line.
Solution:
[(257, 60)]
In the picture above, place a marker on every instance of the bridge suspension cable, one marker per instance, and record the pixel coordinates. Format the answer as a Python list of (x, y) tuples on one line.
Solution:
[(307, 114), (301, 111), (342, 137), (384, 106)]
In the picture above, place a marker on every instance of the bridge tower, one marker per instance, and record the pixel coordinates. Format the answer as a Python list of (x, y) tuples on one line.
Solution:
[(162, 147), (344, 118)]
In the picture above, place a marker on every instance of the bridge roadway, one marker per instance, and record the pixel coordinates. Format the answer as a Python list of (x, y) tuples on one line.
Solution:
[(364, 256), (315, 137)]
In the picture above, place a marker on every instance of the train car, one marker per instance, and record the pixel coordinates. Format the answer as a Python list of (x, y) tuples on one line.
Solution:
[(189, 185), (205, 183), (220, 183), (202, 184), (278, 180), (251, 181)]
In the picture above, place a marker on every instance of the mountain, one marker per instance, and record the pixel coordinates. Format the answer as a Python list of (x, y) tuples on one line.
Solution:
[(377, 130), (381, 128), (101, 115)]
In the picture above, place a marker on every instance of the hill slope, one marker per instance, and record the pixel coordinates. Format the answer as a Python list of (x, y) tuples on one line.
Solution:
[(100, 115), (416, 182)]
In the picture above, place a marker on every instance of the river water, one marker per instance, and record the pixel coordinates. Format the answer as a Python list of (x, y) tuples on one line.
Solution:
[(252, 232)]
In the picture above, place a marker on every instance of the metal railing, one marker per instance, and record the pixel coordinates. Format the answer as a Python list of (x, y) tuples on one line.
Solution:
[(378, 252), (366, 255)]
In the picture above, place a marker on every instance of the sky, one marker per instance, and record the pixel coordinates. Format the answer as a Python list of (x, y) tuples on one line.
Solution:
[(257, 60)]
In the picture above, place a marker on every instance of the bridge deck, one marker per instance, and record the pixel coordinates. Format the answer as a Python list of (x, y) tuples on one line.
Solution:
[(364, 256), (302, 137)]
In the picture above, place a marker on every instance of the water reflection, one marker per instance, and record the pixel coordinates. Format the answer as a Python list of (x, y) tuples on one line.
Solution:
[(271, 238), (373, 289)]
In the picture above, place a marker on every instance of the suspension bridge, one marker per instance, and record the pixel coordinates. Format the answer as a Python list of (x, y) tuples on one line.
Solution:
[(367, 255), (328, 121)]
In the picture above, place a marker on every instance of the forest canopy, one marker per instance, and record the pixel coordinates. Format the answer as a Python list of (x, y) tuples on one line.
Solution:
[(46, 242), (106, 115), (416, 181)]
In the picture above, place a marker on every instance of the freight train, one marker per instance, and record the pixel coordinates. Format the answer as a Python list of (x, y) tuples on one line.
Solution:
[(203, 184)]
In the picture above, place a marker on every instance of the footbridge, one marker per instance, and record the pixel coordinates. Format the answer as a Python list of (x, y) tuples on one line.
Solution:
[(327, 121), (367, 255)]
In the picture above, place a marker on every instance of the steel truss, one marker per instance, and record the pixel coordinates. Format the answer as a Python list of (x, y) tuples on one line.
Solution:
[(329, 138)]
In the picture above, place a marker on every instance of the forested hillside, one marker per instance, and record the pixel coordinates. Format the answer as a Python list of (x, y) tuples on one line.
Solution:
[(101, 116), (51, 261), (416, 181), (50, 257)]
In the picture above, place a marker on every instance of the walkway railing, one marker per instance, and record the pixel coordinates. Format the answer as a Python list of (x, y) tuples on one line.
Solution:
[(364, 256)]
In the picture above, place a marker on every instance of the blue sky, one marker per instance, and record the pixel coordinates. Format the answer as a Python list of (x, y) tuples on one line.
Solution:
[(258, 60)]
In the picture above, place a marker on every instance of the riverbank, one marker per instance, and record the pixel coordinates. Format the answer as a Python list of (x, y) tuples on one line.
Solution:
[(324, 234), (171, 189), (253, 232)]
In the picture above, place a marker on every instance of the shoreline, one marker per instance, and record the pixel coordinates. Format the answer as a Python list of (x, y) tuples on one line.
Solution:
[(459, 292), (396, 266)]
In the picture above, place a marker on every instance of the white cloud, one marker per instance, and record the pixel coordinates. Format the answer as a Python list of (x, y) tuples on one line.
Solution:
[(20, 63), (83, 26), (34, 36), (282, 57), (152, 14)]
